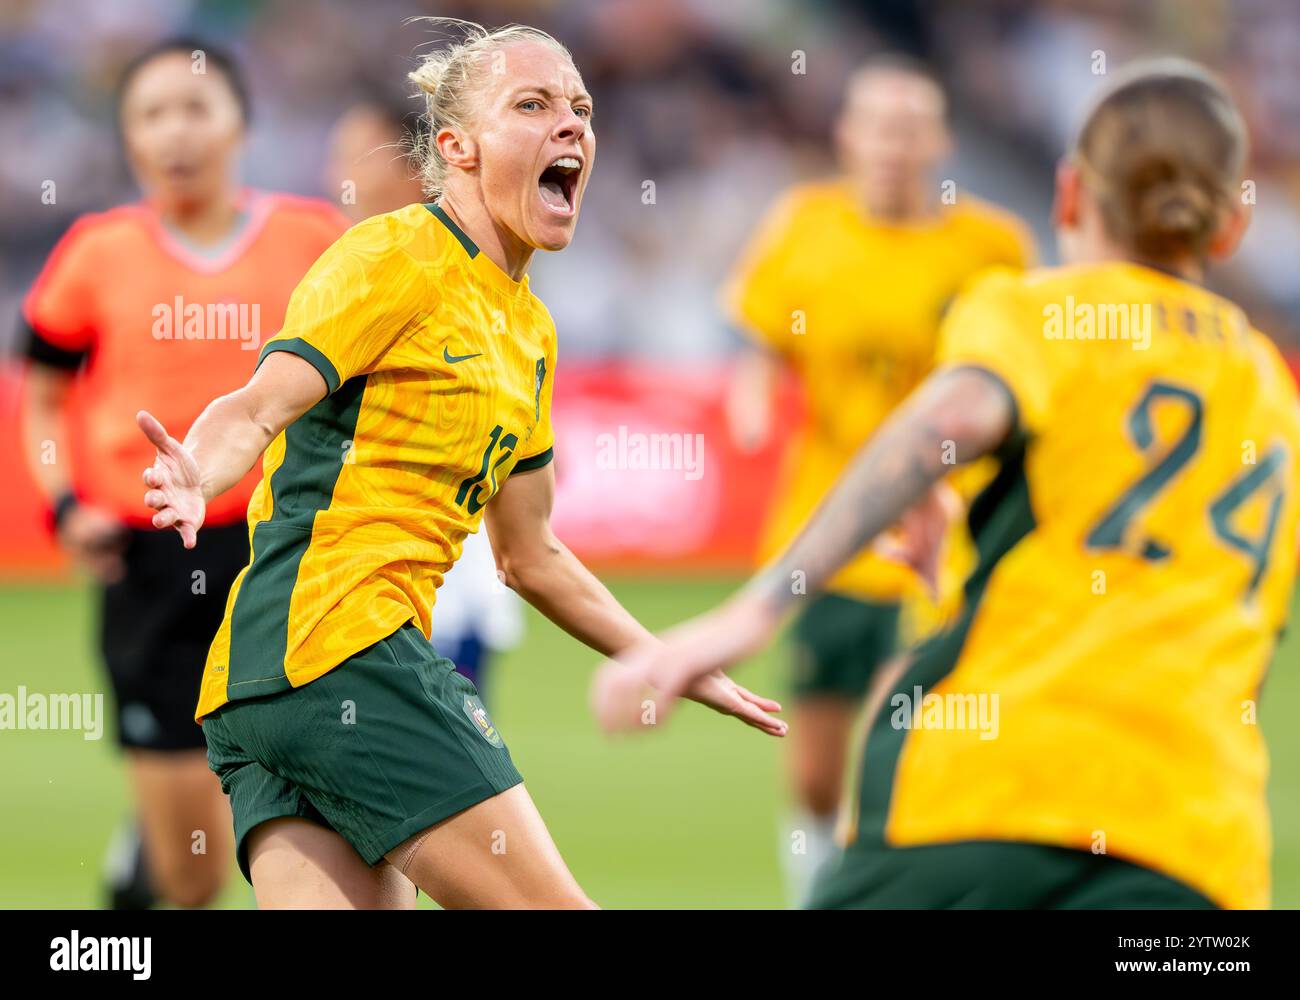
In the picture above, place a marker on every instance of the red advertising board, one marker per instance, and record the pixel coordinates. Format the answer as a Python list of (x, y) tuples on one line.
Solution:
[(647, 475)]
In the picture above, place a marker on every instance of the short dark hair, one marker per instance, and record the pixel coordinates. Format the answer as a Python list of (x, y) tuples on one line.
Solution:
[(187, 45), (891, 60)]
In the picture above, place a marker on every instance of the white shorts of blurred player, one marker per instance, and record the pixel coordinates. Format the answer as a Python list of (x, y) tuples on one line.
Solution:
[(476, 615)]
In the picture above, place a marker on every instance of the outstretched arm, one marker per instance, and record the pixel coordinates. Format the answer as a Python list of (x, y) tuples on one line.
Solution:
[(954, 417), (229, 436), (542, 570)]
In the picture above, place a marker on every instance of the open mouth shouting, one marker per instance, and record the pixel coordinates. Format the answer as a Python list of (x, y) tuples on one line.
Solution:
[(559, 183)]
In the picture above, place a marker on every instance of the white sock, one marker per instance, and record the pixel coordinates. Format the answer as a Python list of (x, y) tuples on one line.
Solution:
[(808, 842)]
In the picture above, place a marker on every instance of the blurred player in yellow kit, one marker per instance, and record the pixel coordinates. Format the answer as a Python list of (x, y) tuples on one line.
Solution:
[(845, 283), (1085, 734)]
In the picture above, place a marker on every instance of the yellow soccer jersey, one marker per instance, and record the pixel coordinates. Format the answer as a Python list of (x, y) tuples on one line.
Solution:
[(1137, 555), (853, 306), (440, 369)]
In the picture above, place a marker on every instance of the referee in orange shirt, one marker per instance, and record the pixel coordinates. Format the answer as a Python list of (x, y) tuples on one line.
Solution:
[(162, 304)]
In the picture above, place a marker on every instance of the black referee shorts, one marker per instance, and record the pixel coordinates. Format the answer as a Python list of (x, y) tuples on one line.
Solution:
[(156, 626)]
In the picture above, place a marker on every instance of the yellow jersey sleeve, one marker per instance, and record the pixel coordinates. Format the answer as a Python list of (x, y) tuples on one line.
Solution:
[(363, 293), (758, 296), (1010, 243), (540, 446), (992, 326)]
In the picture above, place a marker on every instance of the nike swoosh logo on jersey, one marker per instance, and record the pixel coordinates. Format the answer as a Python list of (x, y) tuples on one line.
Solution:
[(451, 359)]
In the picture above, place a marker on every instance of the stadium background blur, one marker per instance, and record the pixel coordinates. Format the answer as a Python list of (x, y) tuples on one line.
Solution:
[(705, 100)]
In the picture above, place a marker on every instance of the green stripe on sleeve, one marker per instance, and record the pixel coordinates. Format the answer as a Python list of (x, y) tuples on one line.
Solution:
[(304, 350)]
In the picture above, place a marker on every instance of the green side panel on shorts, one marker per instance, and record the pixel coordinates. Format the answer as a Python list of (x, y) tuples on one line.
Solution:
[(316, 445), (1000, 517)]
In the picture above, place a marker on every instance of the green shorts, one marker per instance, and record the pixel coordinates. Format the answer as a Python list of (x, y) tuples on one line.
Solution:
[(838, 644), (994, 875), (384, 745)]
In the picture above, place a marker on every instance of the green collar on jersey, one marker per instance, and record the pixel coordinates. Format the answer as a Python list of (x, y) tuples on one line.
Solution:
[(470, 247)]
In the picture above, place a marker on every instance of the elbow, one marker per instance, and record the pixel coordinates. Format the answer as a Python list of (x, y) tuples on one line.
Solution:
[(969, 434), (972, 419), (262, 420), (526, 572), (519, 578), (508, 573)]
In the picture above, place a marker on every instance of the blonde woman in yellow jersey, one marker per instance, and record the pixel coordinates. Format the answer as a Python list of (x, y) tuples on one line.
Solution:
[(407, 395), (1084, 736), (844, 285)]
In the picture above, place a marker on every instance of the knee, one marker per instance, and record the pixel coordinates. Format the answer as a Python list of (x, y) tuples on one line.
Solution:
[(193, 895), (818, 790), (188, 881)]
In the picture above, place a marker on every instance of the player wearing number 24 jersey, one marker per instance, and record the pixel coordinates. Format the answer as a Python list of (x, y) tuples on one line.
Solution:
[(1126, 607), (439, 369), (1085, 734)]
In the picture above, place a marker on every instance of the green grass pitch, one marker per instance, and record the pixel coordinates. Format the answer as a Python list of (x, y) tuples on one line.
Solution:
[(687, 819)]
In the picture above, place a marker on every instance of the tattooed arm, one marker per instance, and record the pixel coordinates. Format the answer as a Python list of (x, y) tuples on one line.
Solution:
[(956, 416), (953, 418)]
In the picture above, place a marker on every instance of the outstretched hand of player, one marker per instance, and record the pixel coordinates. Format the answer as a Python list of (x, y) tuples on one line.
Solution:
[(175, 490), (640, 688)]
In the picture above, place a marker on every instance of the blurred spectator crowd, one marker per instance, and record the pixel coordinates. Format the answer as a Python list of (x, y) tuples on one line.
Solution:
[(701, 98)]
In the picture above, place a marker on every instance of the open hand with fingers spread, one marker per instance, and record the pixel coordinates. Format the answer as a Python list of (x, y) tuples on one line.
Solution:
[(720, 693), (688, 663), (175, 489)]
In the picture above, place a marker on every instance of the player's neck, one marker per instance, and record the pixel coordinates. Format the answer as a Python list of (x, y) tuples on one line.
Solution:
[(913, 206), (1097, 248), (501, 246), (201, 222)]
